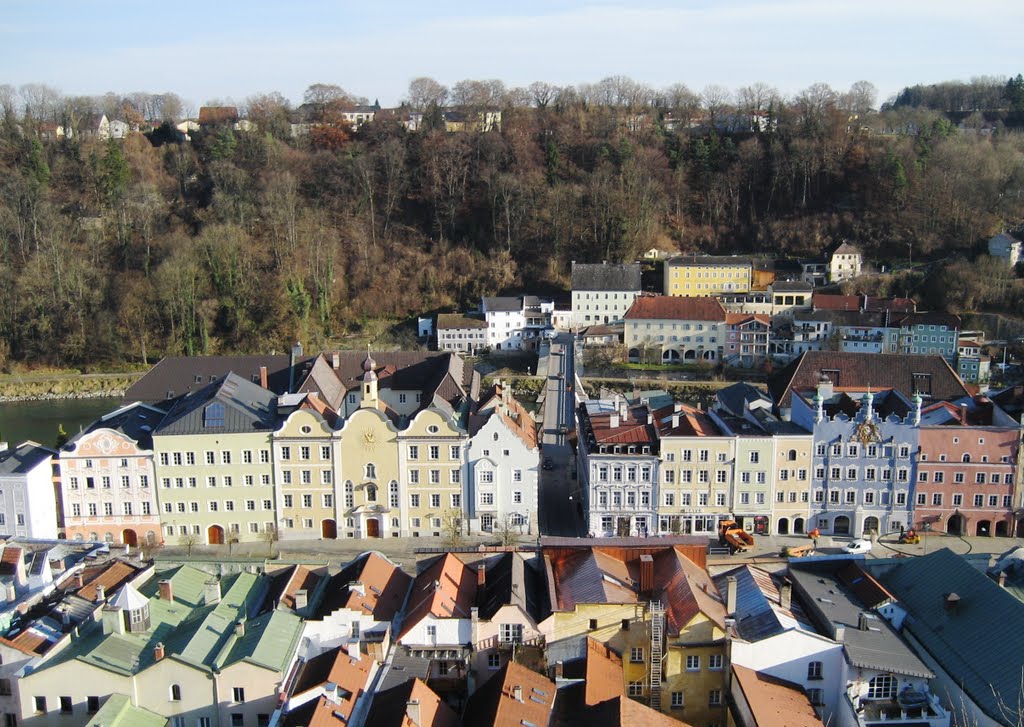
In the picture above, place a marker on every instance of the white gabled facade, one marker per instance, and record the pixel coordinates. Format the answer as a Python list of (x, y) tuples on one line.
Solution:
[(28, 504), (502, 486)]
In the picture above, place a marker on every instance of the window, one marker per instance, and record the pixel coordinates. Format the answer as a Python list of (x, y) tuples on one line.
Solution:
[(755, 457), (238, 694), (882, 686), (225, 457), (431, 631), (636, 689), (979, 500), (817, 696), (922, 498), (414, 451), (66, 705), (371, 471), (814, 670), (414, 500), (936, 498), (92, 704), (715, 662), (511, 633), (493, 660), (435, 500), (237, 719), (175, 693), (715, 698), (677, 700), (434, 452), (636, 655), (692, 662)]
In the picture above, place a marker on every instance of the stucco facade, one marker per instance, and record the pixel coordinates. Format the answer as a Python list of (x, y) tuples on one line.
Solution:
[(305, 453)]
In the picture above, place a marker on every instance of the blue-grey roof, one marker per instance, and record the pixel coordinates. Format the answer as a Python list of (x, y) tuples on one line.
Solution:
[(24, 458), (504, 303), (759, 613), (247, 407), (606, 277), (979, 642), (870, 643), (136, 421)]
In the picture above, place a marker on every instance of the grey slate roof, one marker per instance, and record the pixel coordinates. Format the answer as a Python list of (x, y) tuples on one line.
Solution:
[(877, 646), (24, 458), (176, 376), (512, 580), (794, 286), (136, 421), (759, 613), (247, 408), (979, 642), (709, 260), (504, 303), (403, 667), (586, 276)]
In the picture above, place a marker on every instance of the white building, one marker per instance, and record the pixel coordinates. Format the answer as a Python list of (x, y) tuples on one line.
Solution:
[(503, 459), (28, 503), (603, 293), (1005, 246), (678, 329), (845, 263), (515, 323)]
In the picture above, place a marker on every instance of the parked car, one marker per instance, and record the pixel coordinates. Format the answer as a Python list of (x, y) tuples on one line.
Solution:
[(858, 546)]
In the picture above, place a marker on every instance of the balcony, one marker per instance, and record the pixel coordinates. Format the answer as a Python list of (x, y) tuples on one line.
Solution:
[(864, 337), (910, 707)]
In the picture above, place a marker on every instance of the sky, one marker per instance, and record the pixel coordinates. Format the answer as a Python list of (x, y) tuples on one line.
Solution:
[(227, 50)]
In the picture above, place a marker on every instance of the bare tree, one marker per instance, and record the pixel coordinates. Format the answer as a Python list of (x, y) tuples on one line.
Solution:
[(506, 533), (715, 99), (543, 93), (860, 99), (478, 94), (755, 98), (188, 541), (40, 102), (425, 91), (451, 528), (270, 536)]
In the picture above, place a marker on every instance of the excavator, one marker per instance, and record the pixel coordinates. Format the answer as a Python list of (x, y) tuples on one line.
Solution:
[(731, 534)]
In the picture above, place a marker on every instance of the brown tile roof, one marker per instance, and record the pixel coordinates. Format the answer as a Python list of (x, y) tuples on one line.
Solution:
[(447, 589), (933, 318), (634, 428), (860, 370), (384, 583), (604, 674), (624, 712), (894, 305), (29, 641), (303, 579), (864, 586), (686, 590), (111, 575), (774, 702), (335, 667), (496, 703), (847, 249), (10, 560), (735, 319), (590, 575), (446, 321), (693, 422), (389, 707), (830, 301), (670, 307), (516, 418)]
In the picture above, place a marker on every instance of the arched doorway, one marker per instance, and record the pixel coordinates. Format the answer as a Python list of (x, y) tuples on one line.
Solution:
[(690, 355), (798, 526), (955, 524), (670, 355), (129, 537), (215, 535), (634, 355), (870, 525), (1002, 528), (783, 527), (841, 525), (329, 530), (984, 528), (373, 528)]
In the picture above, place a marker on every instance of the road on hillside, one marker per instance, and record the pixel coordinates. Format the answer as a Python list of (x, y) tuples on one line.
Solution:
[(559, 496)]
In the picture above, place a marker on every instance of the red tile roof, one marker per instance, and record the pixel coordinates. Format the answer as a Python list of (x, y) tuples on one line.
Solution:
[(384, 587), (774, 702), (829, 301), (735, 319), (447, 589), (604, 673), (9, 560), (512, 697), (634, 428), (111, 576), (390, 707), (303, 579), (686, 590), (670, 307), (624, 712), (693, 422)]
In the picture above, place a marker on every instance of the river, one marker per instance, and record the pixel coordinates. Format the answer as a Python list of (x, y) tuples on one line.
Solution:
[(38, 420)]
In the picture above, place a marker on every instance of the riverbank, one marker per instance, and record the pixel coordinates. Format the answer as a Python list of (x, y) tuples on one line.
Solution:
[(48, 387)]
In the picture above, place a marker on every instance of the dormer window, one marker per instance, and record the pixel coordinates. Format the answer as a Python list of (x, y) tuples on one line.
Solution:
[(213, 415)]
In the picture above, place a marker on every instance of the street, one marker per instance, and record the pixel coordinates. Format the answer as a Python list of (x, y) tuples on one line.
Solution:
[(559, 497)]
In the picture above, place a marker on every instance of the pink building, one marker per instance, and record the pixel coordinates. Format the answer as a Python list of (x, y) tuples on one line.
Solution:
[(968, 481), (746, 338)]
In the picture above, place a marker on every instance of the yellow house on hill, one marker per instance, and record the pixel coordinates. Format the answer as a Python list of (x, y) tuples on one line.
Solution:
[(699, 275)]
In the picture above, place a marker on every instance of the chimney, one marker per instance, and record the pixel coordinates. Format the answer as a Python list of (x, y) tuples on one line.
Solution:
[(730, 595), (354, 652), (862, 621), (646, 574), (166, 591), (559, 670), (211, 592), (113, 620), (335, 360), (517, 693), (826, 389), (963, 414), (357, 587), (301, 599), (481, 576), (12, 593), (951, 602), (1002, 579), (65, 621), (675, 420), (158, 651), (295, 354), (240, 627), (840, 633), (786, 593), (101, 594), (613, 420), (412, 711), (78, 581), (263, 377)]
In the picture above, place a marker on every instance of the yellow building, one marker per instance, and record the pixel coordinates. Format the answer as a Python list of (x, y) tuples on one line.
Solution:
[(433, 455), (791, 508), (697, 461), (699, 275), (306, 448)]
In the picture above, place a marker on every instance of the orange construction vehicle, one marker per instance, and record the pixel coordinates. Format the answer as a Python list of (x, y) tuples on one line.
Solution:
[(731, 534)]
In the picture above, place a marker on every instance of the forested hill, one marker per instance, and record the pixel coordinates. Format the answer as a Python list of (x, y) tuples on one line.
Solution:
[(244, 241)]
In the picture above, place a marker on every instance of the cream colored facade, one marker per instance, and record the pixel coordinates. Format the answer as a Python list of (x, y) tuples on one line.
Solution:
[(369, 477), (694, 277), (215, 486), (676, 340), (696, 483), (306, 450), (694, 669), (433, 451), (791, 507)]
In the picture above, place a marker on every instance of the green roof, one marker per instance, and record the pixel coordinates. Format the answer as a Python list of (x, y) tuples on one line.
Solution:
[(193, 632), (118, 711)]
